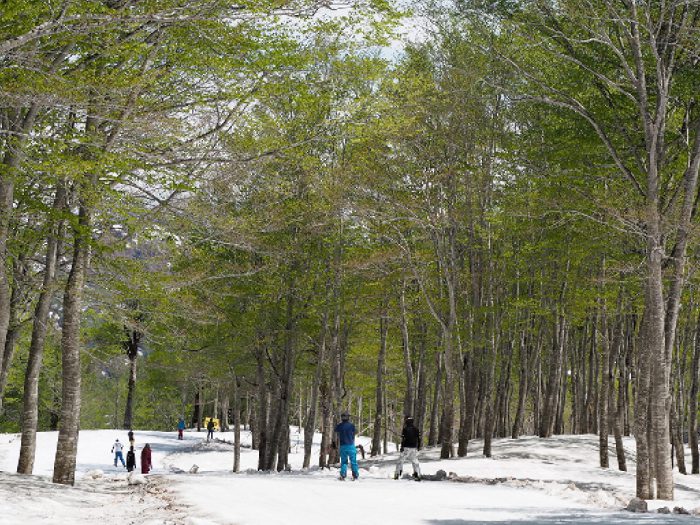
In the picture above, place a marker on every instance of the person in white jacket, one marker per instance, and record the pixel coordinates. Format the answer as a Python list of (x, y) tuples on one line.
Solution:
[(117, 449)]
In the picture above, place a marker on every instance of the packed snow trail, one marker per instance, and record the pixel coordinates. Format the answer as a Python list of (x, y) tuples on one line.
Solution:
[(528, 481)]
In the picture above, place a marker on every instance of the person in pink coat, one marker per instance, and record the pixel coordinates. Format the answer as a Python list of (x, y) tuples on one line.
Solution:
[(146, 464)]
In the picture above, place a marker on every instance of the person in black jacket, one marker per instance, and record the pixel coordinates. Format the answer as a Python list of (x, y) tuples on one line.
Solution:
[(410, 444), (130, 459)]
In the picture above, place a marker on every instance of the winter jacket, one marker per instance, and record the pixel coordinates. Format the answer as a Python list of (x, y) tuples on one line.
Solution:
[(210, 425), (346, 433), (146, 460), (410, 437), (181, 424), (130, 461)]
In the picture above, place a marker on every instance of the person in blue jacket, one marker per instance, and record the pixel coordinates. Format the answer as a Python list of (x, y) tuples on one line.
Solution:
[(346, 440)]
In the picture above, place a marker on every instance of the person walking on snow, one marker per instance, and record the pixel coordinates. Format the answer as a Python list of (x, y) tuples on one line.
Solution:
[(210, 429), (146, 464), (117, 450), (130, 459), (410, 444), (180, 428), (131, 438), (346, 440)]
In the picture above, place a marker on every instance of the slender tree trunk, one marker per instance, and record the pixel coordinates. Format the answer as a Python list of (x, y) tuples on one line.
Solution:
[(21, 121), (435, 405), (310, 424), (605, 372), (693, 402), (236, 425), (379, 407), (554, 380), (421, 400), (225, 404), (132, 352), (677, 440), (19, 272), (522, 384), (468, 395), (408, 401), (30, 399)]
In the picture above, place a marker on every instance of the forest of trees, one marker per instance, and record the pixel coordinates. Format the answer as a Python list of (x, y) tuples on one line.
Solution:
[(274, 211)]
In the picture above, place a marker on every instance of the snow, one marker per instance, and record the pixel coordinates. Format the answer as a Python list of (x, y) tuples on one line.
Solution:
[(528, 481)]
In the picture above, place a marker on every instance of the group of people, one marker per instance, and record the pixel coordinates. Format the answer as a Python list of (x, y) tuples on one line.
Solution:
[(130, 463), (211, 425), (410, 444)]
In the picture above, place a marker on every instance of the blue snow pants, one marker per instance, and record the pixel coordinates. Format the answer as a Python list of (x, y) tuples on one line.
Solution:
[(118, 456), (348, 452)]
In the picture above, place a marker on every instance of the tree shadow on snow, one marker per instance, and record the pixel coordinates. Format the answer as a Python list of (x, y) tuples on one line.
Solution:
[(576, 519)]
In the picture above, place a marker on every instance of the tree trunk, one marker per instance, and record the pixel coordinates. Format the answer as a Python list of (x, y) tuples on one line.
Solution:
[(522, 383), (30, 399), (408, 401), (236, 425), (310, 424), (605, 372), (69, 426), (554, 380), (693, 402), (132, 352), (435, 406), (262, 419), (225, 404), (21, 121), (379, 407), (19, 273)]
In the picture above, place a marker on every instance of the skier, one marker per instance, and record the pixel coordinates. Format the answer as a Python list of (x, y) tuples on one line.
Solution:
[(180, 428), (131, 438), (210, 429), (346, 439), (130, 459), (117, 449), (410, 444), (146, 464)]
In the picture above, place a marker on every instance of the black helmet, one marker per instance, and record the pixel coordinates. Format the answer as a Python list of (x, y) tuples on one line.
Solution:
[(345, 416), (409, 420)]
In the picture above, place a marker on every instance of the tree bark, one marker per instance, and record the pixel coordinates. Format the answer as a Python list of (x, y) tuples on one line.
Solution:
[(236, 424), (693, 401), (408, 401), (379, 407), (310, 424), (69, 426), (131, 345), (30, 398)]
